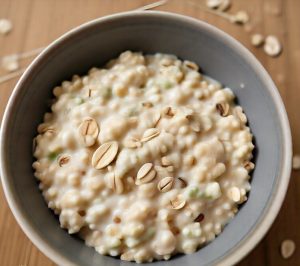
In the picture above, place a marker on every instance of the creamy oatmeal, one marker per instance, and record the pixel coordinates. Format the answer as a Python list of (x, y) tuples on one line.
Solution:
[(145, 158)]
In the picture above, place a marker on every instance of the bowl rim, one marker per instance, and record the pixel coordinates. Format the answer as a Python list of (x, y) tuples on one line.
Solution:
[(278, 193)]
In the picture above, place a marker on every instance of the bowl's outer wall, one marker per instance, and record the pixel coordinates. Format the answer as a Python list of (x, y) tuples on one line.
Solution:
[(154, 34)]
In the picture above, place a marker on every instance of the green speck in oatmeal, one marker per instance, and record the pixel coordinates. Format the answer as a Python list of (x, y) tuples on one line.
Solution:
[(52, 155), (107, 93), (132, 112), (167, 85), (79, 100), (193, 192)]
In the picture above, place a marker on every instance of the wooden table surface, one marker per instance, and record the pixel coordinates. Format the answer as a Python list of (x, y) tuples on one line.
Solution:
[(39, 22)]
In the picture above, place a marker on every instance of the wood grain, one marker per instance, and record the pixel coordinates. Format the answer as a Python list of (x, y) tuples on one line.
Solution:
[(38, 22)]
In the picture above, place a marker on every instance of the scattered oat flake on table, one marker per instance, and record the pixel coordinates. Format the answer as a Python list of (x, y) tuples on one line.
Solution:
[(152, 5), (10, 63), (225, 5), (221, 5), (296, 162), (272, 46), (5, 26), (241, 17), (257, 39), (287, 248), (213, 3)]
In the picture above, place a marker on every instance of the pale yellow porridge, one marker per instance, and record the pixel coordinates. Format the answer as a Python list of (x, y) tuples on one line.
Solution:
[(144, 158)]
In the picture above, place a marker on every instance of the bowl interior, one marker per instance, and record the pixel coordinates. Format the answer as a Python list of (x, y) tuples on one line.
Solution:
[(98, 42)]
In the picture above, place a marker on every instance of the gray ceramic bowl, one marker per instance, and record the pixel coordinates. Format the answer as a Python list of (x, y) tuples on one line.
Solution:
[(92, 44)]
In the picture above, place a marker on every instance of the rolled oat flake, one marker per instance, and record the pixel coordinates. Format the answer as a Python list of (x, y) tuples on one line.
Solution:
[(241, 17), (272, 46), (146, 174), (5, 26), (225, 5), (296, 162), (213, 3), (105, 154), (89, 131), (10, 63), (287, 248), (257, 39)]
